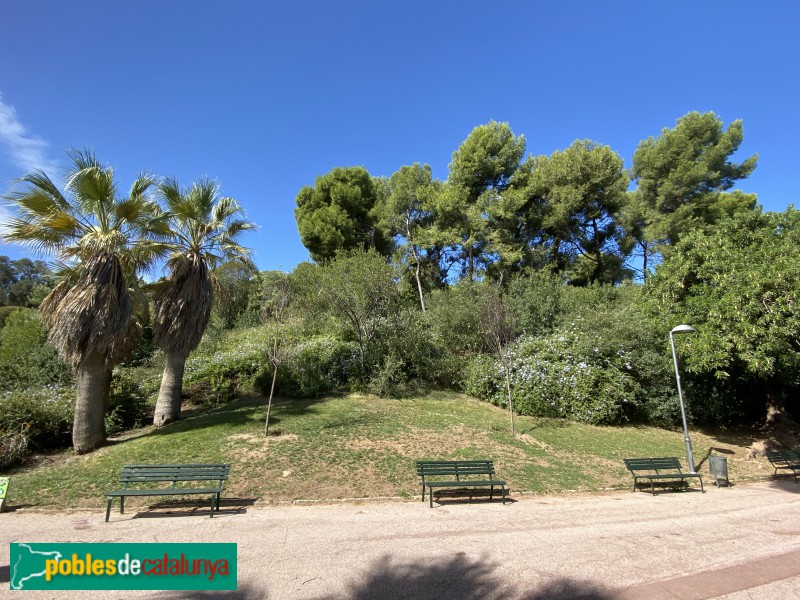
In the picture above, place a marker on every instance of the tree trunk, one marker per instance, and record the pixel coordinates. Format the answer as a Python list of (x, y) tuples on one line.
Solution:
[(508, 390), (777, 418), (419, 286), (93, 381), (644, 262), (269, 404), (168, 405)]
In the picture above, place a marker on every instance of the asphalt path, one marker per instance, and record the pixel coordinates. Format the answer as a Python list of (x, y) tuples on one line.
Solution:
[(735, 543)]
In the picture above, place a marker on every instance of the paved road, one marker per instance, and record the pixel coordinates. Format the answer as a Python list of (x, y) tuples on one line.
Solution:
[(736, 543)]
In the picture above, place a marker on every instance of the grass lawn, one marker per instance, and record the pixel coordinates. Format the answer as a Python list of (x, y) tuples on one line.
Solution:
[(359, 446)]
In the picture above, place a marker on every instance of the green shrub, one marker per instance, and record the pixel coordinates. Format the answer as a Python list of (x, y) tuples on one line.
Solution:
[(454, 319), (320, 364), (13, 447), (128, 407), (537, 300), (222, 361), (43, 414), (26, 358), (5, 311), (411, 358)]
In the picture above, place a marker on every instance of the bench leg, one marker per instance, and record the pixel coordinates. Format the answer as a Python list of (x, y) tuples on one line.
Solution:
[(423, 492), (702, 489), (634, 484), (108, 508), (491, 491), (122, 505), (213, 503), (503, 488), (653, 487), (430, 496)]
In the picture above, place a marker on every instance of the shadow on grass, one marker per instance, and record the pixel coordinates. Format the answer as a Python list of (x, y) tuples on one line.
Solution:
[(239, 412), (743, 438)]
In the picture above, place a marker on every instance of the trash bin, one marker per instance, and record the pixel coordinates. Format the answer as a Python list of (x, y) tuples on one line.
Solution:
[(719, 469)]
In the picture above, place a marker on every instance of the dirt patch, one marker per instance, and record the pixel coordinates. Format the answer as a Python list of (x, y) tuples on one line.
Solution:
[(534, 442), (415, 444)]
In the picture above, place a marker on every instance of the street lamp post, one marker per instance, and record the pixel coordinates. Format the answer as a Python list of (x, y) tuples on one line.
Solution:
[(682, 329)]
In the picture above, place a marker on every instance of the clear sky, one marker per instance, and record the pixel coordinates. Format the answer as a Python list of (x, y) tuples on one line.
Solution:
[(266, 96)]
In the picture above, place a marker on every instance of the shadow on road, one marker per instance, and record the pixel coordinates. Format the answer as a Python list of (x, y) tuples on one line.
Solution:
[(456, 578)]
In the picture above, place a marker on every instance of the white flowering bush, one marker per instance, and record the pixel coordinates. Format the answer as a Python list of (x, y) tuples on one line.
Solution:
[(563, 374)]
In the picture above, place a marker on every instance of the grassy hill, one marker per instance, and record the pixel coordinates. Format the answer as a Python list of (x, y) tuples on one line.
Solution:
[(358, 446)]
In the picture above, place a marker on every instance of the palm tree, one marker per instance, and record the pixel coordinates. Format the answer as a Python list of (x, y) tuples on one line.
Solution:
[(91, 317), (205, 232)]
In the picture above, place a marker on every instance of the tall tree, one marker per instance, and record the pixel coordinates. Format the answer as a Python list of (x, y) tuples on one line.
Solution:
[(22, 281), (583, 191), (739, 286), (480, 172), (92, 319), (409, 216), (340, 212), (205, 229), (681, 178)]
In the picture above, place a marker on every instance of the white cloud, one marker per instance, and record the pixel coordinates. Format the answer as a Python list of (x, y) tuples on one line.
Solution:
[(26, 151)]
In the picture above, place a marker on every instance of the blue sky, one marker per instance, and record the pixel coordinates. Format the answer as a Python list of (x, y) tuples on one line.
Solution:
[(265, 97)]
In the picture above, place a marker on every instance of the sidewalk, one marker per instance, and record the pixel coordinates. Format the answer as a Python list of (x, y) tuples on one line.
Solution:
[(736, 543)]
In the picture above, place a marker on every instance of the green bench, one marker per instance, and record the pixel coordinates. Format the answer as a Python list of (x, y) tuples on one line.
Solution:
[(659, 469), (785, 459), (458, 474), (147, 480)]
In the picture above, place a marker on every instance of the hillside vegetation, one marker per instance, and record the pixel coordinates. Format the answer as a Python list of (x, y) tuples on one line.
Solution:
[(360, 446)]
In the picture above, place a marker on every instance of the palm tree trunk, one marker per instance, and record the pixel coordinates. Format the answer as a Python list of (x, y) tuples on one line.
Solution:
[(168, 405), (93, 381)]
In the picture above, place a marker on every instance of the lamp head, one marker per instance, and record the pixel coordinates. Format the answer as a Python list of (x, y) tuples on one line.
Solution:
[(683, 329)]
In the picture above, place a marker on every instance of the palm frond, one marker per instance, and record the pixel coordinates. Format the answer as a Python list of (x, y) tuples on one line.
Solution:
[(141, 187), (94, 315), (39, 181), (182, 306), (34, 236)]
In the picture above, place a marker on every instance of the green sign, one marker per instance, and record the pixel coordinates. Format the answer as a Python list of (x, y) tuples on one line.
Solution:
[(3, 487), (98, 566)]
